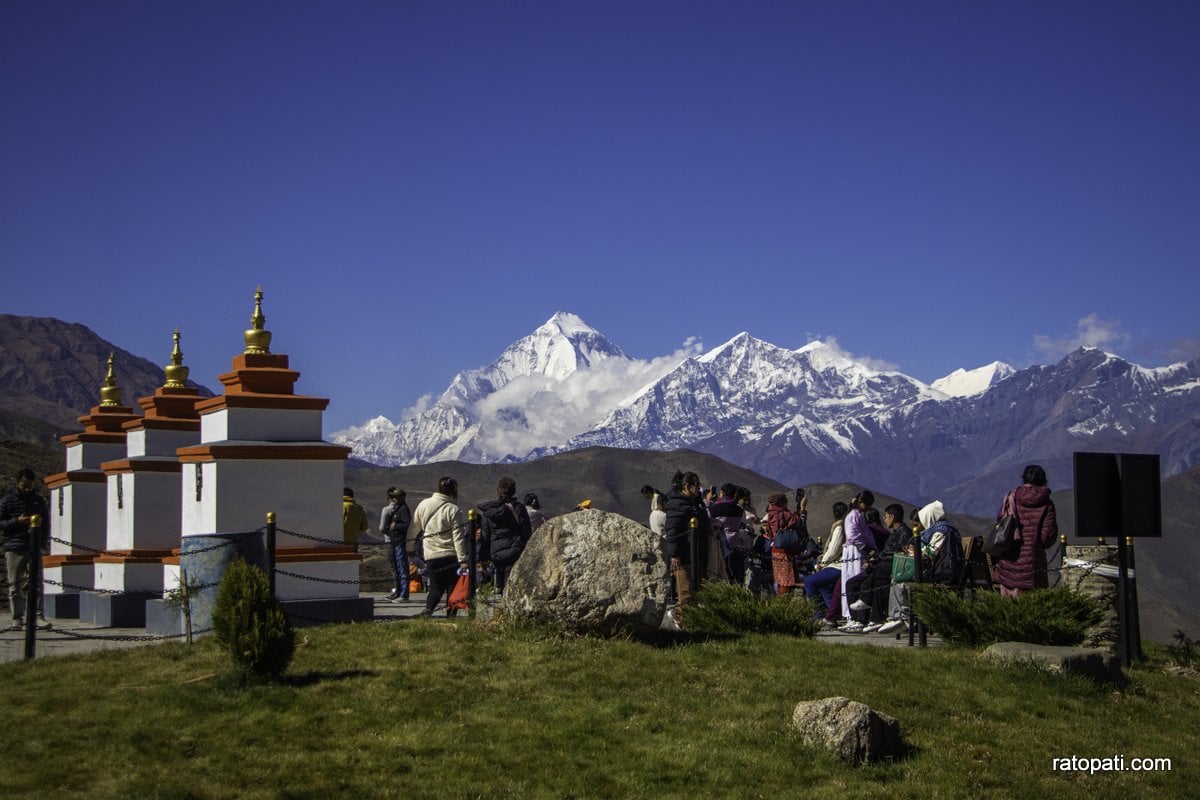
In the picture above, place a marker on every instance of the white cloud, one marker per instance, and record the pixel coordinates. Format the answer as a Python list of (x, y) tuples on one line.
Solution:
[(535, 411), (1091, 331), (417, 408), (876, 364)]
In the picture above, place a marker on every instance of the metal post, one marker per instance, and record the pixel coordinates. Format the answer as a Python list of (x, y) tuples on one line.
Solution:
[(187, 603), (472, 558), (34, 576), (916, 628), (271, 550), (694, 553), (1135, 623), (1126, 649)]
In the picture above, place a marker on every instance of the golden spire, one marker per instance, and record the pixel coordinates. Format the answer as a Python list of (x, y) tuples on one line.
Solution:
[(258, 339), (177, 373), (110, 393)]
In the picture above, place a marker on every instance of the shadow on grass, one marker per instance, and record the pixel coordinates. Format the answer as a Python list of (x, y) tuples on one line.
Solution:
[(664, 639), (306, 679)]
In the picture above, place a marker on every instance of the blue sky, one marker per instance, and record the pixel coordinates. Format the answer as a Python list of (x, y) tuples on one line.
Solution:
[(418, 184)]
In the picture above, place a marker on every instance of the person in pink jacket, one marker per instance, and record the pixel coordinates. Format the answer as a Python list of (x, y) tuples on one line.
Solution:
[(1026, 567)]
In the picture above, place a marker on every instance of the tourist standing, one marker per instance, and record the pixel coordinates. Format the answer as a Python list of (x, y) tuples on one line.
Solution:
[(683, 506), (393, 524), (354, 519), (506, 530), (16, 516), (439, 520), (1026, 567)]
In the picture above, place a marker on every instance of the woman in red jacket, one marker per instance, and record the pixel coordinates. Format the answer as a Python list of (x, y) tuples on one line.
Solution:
[(778, 518), (1025, 568)]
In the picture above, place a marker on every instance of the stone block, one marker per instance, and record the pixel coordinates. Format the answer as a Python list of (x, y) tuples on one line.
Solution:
[(1098, 664)]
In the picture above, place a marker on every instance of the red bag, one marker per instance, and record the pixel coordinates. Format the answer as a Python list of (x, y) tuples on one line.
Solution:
[(460, 593)]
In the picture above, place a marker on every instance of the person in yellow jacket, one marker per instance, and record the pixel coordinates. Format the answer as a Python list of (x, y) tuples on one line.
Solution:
[(354, 519)]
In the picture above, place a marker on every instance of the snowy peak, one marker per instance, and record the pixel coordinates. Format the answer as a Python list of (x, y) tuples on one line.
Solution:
[(968, 383), (566, 324)]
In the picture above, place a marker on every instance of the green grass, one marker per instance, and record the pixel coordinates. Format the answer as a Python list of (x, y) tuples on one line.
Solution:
[(430, 708)]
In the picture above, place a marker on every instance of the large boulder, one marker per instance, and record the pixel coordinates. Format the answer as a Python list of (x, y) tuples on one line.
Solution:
[(854, 732), (590, 572)]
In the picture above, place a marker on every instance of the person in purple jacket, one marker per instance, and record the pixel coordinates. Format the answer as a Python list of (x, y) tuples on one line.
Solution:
[(1026, 568)]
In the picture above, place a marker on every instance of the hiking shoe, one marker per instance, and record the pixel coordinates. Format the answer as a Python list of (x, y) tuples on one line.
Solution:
[(892, 625), (853, 626), (859, 605)]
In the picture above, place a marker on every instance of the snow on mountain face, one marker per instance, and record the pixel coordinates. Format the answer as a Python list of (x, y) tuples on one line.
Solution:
[(529, 393), (962, 383), (813, 414)]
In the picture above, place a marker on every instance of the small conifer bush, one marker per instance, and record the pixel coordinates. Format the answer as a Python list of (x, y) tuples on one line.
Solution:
[(1043, 616), (727, 608), (249, 622)]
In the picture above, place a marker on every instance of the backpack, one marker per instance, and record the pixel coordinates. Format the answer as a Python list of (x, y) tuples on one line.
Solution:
[(946, 564)]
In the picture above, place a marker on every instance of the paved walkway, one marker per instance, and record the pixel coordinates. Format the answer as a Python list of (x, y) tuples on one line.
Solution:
[(68, 636)]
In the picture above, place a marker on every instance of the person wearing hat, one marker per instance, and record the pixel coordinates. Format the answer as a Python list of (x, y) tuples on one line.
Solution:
[(354, 519), (393, 524)]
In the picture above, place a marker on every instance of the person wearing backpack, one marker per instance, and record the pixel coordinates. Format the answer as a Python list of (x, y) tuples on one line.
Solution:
[(1026, 568), (506, 530), (941, 545)]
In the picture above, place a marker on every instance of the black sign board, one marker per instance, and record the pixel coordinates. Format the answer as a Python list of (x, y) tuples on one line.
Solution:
[(1117, 495)]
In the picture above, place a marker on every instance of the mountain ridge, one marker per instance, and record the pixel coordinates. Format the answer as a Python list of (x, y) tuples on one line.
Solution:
[(817, 414)]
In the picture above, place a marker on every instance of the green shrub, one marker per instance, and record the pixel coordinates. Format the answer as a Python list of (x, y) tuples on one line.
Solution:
[(249, 623), (728, 608), (1043, 616)]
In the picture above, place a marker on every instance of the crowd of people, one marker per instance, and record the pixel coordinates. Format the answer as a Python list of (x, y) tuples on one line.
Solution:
[(857, 577), (858, 581)]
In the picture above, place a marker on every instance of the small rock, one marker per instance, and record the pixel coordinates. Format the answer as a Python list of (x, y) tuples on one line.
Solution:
[(854, 732)]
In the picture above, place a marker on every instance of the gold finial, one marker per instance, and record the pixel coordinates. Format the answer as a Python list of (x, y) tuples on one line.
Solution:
[(177, 373), (110, 393), (258, 339)]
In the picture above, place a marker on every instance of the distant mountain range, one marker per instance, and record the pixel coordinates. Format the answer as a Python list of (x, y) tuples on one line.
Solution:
[(812, 415), (52, 370)]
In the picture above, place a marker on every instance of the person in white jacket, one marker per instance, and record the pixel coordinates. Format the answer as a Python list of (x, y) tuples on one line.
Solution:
[(440, 523), (818, 587)]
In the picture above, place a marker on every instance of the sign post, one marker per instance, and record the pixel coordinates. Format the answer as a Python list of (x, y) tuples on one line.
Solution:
[(1119, 494)]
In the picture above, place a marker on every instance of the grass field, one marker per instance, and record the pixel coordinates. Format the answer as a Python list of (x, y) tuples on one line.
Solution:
[(429, 709)]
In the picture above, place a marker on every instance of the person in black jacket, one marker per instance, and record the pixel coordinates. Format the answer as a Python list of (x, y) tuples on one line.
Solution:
[(683, 505), (506, 529), (16, 514)]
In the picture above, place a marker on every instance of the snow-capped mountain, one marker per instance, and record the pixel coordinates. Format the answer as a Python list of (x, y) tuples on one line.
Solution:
[(968, 383), (484, 415), (801, 416)]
